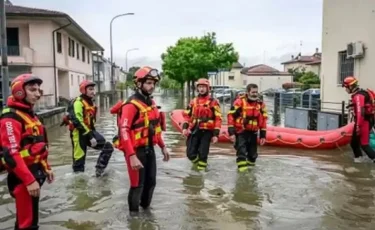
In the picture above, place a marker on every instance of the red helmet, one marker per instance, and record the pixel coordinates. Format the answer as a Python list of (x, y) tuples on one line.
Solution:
[(145, 73), (203, 81), (349, 81), (18, 84), (83, 86)]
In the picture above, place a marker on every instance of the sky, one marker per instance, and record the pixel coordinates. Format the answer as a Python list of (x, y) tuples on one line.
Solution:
[(262, 31)]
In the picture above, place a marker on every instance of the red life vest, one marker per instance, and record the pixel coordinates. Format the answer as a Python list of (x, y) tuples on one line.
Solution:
[(202, 114), (148, 123), (34, 143), (251, 115)]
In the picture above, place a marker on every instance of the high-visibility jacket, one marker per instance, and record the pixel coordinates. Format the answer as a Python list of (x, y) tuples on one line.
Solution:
[(247, 115), (81, 115), (203, 113)]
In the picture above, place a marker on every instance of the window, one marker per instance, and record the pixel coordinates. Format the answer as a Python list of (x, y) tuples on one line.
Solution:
[(88, 56), (59, 43), (231, 78), (346, 66), (71, 78), (73, 47), (77, 51), (13, 41), (244, 82), (83, 54), (78, 80), (69, 47)]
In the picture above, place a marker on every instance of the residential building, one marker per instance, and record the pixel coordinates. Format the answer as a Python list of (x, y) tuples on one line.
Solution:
[(102, 74), (337, 34), (265, 77), (231, 78), (122, 75), (53, 46), (304, 62)]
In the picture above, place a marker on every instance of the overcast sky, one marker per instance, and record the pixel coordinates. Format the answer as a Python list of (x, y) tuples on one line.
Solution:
[(262, 31)]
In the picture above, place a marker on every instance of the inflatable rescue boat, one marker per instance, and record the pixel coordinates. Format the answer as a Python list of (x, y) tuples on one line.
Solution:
[(287, 137)]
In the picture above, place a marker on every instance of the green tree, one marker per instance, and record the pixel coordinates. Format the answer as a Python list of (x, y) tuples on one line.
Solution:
[(192, 57), (129, 76), (297, 73)]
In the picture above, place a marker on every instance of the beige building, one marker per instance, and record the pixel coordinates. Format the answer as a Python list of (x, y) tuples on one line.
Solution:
[(52, 45), (265, 77), (230, 78), (340, 58), (304, 62)]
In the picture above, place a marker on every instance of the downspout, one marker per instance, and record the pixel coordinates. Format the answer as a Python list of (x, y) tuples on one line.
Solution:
[(54, 57)]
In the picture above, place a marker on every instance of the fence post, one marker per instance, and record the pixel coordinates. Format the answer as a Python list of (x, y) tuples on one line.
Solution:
[(310, 100), (319, 104), (294, 102)]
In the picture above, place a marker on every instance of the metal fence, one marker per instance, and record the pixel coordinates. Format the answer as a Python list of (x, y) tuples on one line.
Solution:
[(277, 104)]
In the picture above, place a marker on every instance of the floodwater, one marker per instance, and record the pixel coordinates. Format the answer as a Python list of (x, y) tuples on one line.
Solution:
[(288, 189)]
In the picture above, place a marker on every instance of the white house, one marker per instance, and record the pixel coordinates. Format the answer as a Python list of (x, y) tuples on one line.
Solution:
[(231, 78), (53, 46), (265, 77), (344, 22)]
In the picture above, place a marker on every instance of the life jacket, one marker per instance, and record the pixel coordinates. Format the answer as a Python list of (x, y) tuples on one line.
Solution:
[(202, 115), (251, 112), (89, 114), (34, 141), (147, 127)]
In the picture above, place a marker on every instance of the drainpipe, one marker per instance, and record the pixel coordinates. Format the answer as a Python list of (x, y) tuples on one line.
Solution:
[(54, 57)]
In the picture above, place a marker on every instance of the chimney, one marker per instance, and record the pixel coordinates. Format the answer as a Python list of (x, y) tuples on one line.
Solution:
[(292, 56), (316, 50)]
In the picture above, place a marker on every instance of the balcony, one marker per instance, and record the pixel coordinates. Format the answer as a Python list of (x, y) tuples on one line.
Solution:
[(20, 55)]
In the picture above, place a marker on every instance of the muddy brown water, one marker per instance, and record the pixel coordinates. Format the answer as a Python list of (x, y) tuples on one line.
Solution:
[(288, 189)]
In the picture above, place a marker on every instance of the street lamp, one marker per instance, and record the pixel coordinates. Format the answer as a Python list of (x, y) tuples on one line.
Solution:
[(126, 57), (111, 47)]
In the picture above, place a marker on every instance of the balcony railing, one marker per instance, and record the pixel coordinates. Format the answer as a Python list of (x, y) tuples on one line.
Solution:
[(13, 51)]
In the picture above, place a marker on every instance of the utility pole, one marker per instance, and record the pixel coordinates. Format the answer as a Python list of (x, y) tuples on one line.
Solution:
[(4, 53)]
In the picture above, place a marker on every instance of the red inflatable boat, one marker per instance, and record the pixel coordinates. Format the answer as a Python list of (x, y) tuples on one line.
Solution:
[(288, 137)]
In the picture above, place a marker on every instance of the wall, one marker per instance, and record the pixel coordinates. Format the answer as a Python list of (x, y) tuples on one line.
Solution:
[(266, 82), (53, 117), (338, 30), (222, 78), (74, 80), (64, 61)]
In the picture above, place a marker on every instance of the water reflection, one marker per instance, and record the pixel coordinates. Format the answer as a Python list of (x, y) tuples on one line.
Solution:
[(247, 199)]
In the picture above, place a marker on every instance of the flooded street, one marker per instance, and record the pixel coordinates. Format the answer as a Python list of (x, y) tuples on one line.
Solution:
[(288, 189)]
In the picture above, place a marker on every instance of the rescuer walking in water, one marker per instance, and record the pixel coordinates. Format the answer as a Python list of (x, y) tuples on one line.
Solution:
[(247, 117), (363, 105), (140, 128), (24, 150), (202, 124), (81, 120)]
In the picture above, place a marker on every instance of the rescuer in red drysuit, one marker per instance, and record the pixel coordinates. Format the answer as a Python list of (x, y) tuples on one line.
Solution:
[(24, 151), (363, 109), (140, 127), (202, 123)]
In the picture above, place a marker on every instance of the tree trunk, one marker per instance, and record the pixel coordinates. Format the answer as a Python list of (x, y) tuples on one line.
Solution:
[(188, 91), (193, 88)]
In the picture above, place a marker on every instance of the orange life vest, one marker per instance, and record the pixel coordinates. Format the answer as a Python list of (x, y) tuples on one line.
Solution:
[(202, 114), (89, 114), (251, 115), (34, 143), (148, 124)]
